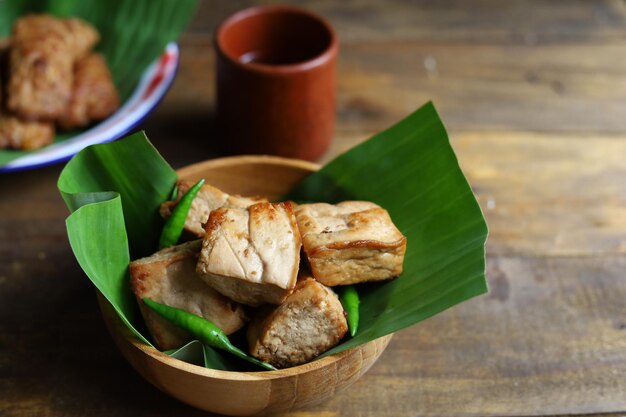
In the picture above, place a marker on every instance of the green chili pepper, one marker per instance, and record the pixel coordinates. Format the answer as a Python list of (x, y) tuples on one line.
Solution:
[(204, 330), (175, 224), (350, 301), (174, 192)]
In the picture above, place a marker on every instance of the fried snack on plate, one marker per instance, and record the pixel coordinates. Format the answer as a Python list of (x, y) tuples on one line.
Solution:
[(21, 134), (43, 52), (350, 242), (4, 70), (169, 277), (14, 132), (209, 198), (94, 96), (308, 323), (251, 255)]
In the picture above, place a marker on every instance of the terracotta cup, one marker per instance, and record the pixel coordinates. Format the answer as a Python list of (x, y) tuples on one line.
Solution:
[(276, 82)]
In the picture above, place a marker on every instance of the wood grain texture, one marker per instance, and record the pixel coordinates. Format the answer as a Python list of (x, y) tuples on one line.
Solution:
[(536, 65), (533, 94), (544, 194), (546, 88), (486, 21)]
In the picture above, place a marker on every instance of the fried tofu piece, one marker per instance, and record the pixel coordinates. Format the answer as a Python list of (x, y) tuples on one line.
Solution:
[(43, 52), (251, 255), (21, 134), (94, 96), (4, 70), (14, 132), (169, 277), (308, 323), (350, 242), (209, 198)]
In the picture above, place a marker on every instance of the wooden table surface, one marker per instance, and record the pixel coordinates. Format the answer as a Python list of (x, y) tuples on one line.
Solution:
[(534, 96)]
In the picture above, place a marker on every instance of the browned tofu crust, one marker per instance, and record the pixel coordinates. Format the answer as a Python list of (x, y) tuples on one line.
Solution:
[(308, 323), (251, 255), (209, 198), (14, 132), (94, 96), (21, 134), (350, 242), (43, 52), (4, 70), (169, 277)]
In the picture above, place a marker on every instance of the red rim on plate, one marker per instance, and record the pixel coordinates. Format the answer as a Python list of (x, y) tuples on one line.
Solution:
[(151, 89)]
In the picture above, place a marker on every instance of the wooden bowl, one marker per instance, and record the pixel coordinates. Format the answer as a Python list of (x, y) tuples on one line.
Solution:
[(245, 393)]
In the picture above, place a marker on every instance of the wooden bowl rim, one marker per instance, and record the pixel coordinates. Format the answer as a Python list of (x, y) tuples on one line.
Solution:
[(248, 159), (159, 356), (112, 317)]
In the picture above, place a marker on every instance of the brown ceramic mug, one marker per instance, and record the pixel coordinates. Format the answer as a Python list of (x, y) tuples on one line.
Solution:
[(276, 82)]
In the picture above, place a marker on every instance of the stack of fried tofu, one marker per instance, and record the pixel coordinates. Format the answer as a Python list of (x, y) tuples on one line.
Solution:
[(246, 266), (50, 78)]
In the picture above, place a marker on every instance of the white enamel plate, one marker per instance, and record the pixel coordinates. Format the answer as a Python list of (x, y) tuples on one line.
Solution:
[(152, 87)]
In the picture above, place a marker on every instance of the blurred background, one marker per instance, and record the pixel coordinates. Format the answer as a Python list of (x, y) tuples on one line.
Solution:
[(538, 66)]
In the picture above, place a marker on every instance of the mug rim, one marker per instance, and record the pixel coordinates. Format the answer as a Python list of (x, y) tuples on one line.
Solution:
[(327, 54)]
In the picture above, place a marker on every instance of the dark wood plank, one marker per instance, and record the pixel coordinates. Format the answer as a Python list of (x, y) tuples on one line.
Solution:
[(543, 194), (548, 339), (549, 88), (560, 328), (534, 94), (565, 85), (482, 21), (563, 88)]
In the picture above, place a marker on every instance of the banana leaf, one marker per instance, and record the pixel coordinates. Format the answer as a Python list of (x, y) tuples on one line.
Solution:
[(133, 34), (410, 169)]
